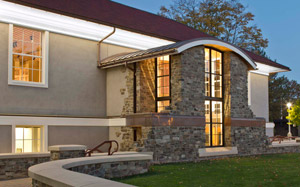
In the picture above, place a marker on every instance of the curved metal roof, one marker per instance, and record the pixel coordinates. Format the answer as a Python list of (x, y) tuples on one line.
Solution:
[(174, 48)]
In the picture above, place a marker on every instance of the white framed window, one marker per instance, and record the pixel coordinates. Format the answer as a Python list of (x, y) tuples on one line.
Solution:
[(28, 139), (28, 57)]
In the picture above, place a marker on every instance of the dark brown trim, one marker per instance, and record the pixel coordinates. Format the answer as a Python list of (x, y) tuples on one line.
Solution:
[(134, 88), (160, 119)]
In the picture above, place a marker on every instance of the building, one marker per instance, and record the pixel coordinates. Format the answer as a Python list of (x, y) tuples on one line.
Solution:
[(81, 72)]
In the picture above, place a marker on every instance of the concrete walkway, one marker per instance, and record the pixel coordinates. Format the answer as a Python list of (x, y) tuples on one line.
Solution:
[(24, 182)]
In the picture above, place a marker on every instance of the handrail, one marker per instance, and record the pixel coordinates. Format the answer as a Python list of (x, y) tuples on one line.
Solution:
[(90, 151)]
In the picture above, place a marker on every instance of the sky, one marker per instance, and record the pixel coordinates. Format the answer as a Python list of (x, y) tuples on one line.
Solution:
[(279, 21)]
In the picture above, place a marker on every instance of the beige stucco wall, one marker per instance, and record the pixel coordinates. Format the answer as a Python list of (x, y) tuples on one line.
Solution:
[(259, 95), (116, 90), (5, 138), (89, 136), (76, 86)]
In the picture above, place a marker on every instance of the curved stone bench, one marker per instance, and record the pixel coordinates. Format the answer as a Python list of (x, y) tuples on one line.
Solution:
[(58, 173)]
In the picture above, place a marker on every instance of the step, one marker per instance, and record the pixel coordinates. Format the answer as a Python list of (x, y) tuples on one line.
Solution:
[(217, 151)]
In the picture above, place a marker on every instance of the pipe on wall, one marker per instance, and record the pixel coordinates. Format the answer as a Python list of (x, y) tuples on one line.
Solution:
[(99, 44)]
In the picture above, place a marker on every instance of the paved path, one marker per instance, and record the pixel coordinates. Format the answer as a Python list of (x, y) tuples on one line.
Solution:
[(25, 182)]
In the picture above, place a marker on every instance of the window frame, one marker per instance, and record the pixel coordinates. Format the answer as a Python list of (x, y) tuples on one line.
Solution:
[(41, 140), (168, 98), (45, 59), (210, 99)]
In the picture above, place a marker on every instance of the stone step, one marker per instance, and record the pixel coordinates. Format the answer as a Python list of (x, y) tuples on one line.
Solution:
[(217, 151)]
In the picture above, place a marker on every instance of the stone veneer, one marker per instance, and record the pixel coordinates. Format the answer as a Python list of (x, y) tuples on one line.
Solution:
[(16, 165), (187, 82), (145, 86), (59, 152), (236, 87), (114, 170), (175, 140)]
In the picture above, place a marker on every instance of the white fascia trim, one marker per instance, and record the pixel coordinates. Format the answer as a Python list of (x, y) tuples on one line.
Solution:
[(47, 21), (264, 69), (220, 43), (60, 121)]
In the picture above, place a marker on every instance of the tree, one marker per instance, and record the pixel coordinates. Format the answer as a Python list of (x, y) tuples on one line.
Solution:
[(281, 91), (225, 19), (294, 115)]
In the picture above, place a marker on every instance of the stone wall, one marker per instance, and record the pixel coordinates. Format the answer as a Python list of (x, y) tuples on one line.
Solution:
[(236, 87), (187, 82), (59, 155), (115, 169), (145, 86), (168, 143), (128, 107), (18, 167)]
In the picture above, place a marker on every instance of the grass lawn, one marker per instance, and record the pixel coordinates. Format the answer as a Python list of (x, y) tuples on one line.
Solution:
[(268, 170)]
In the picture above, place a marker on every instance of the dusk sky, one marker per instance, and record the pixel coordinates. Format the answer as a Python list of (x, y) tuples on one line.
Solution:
[(279, 21)]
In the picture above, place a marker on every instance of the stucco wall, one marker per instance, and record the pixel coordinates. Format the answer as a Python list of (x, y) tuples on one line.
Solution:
[(89, 136), (5, 138), (76, 86), (116, 90), (259, 95)]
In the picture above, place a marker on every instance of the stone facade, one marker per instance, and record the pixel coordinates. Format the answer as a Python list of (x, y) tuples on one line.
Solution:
[(59, 155), (115, 169), (236, 87), (18, 167), (129, 101), (187, 82), (145, 86), (168, 143)]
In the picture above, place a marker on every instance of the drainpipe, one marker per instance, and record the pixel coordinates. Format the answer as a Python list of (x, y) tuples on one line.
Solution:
[(99, 44)]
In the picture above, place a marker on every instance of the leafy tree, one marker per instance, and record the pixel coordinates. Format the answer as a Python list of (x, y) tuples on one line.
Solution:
[(295, 113), (281, 91), (225, 19)]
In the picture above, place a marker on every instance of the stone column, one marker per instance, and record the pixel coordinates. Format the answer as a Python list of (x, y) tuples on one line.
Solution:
[(59, 152)]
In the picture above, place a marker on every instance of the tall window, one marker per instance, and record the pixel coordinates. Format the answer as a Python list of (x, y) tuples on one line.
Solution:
[(214, 98), (163, 83), (27, 61), (28, 139), (27, 55)]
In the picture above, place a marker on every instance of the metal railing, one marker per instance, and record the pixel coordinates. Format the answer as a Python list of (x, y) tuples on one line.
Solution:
[(110, 142)]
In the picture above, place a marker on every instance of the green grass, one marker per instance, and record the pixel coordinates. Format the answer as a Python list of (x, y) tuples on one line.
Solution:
[(268, 170)]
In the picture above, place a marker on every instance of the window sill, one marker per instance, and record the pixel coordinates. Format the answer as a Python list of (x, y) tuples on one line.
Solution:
[(27, 84)]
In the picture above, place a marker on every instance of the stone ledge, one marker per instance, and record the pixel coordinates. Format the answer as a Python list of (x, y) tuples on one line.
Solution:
[(23, 155), (55, 173), (67, 148), (217, 151)]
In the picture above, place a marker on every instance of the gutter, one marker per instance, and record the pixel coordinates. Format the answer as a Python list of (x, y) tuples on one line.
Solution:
[(99, 45)]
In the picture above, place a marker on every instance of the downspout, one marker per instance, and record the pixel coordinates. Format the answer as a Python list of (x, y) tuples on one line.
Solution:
[(99, 45)]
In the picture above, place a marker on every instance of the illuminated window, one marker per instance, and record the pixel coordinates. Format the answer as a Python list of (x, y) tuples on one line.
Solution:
[(28, 139), (214, 98), (27, 61), (163, 83)]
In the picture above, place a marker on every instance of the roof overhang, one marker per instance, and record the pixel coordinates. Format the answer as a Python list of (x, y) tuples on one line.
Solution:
[(264, 69), (171, 49)]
